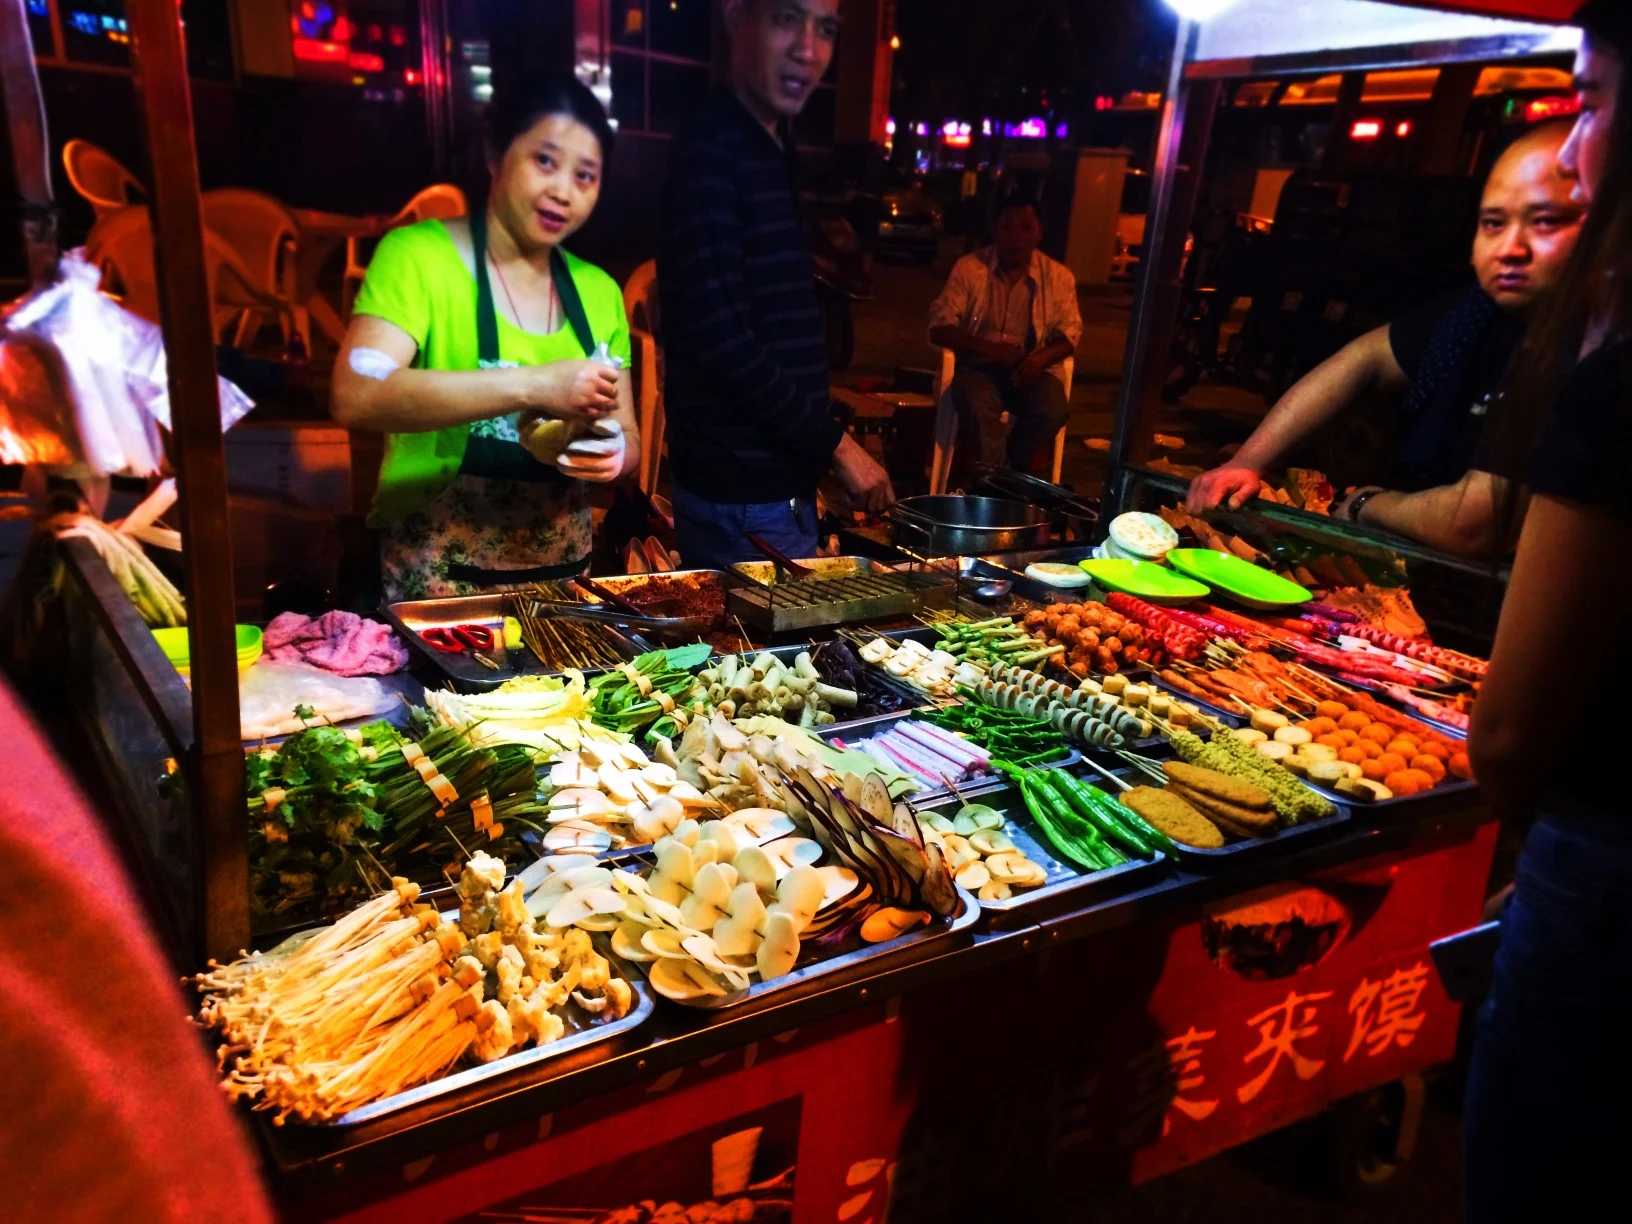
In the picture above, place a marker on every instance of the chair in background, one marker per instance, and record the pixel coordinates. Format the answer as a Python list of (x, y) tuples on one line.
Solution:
[(640, 306), (121, 245), (439, 201), (266, 238), (98, 176), (946, 424)]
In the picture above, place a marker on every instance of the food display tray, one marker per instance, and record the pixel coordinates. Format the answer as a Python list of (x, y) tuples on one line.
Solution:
[(528, 1059), (1068, 886), (1248, 851), (1230, 718), (412, 617), (834, 972), (634, 586), (861, 590), (866, 728), (1457, 787)]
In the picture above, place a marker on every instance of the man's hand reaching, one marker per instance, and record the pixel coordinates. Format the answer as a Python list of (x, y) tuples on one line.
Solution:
[(866, 482), (1228, 486)]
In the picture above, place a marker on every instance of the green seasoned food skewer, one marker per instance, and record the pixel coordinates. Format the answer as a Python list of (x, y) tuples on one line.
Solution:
[(1103, 817)]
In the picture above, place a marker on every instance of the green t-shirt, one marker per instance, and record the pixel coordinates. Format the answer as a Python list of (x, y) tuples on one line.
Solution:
[(419, 281)]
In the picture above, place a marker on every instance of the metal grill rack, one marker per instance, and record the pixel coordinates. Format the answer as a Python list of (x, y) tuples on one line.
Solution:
[(844, 591)]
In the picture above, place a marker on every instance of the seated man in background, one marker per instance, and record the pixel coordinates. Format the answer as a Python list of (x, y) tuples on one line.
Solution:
[(1009, 312), (1448, 360)]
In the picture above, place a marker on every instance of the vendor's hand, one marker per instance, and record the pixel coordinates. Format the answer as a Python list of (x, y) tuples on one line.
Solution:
[(597, 458), (1229, 486), (578, 390), (1031, 367), (866, 482)]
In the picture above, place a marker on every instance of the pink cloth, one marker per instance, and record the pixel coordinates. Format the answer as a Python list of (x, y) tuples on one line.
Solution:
[(340, 642)]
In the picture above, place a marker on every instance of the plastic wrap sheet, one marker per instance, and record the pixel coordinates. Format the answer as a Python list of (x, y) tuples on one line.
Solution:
[(83, 382)]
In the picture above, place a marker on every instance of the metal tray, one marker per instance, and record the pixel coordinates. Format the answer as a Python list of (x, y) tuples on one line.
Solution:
[(1457, 787), (869, 959), (1068, 886), (630, 586), (411, 617), (765, 573), (766, 598), (866, 728), (595, 1034), (1248, 851), (1230, 718)]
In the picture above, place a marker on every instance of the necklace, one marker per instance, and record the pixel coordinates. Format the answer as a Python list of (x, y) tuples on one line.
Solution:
[(549, 320)]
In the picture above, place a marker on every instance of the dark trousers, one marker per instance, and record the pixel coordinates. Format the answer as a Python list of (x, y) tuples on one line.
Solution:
[(714, 535), (982, 395), (1548, 1123)]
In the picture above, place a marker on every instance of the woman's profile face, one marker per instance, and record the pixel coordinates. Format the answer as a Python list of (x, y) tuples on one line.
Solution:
[(1598, 84), (547, 182)]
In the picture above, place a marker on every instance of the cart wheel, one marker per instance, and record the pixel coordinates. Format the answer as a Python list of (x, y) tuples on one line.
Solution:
[(1373, 1136)]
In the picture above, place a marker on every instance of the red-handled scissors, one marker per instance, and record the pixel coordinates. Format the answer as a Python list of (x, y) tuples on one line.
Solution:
[(456, 639)]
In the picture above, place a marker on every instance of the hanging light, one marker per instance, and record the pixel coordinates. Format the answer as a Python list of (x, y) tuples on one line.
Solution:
[(1199, 10)]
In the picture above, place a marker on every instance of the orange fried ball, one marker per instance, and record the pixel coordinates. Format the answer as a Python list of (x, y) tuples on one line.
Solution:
[(1334, 710), (1459, 766), (1437, 750), (1405, 782), (1318, 727), (1377, 733), (1374, 770), (1432, 766), (1354, 756), (1332, 740), (1354, 721), (1348, 735), (1392, 762)]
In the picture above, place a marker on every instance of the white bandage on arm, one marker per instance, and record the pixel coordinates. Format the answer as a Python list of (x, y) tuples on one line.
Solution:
[(371, 363)]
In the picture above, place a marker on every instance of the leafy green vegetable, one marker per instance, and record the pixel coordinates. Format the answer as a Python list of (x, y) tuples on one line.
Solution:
[(684, 658), (334, 813)]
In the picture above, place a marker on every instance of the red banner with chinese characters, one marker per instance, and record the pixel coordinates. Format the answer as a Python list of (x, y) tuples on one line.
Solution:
[(1008, 1093)]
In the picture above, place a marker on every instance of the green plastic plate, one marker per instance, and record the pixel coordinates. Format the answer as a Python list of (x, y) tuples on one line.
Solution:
[(1240, 580), (1144, 579)]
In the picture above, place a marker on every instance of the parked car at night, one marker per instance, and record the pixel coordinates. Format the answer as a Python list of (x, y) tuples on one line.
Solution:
[(910, 226), (1130, 225)]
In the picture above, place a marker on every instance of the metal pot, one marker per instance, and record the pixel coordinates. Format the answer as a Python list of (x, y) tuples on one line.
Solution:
[(1080, 518), (956, 526)]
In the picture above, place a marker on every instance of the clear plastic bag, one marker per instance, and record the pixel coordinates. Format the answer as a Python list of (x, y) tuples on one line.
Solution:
[(83, 381), (269, 693)]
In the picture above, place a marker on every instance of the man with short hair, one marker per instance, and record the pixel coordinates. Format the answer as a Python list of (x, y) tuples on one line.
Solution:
[(1447, 359), (1010, 314), (750, 419)]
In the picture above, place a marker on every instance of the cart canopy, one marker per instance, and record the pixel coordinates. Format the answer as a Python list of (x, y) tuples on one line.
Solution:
[(1256, 30)]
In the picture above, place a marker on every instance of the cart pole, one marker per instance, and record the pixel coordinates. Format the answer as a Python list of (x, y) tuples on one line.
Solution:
[(214, 771), (1181, 145), (30, 147)]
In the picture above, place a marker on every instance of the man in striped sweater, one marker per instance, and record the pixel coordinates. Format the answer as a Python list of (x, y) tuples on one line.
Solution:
[(750, 419)]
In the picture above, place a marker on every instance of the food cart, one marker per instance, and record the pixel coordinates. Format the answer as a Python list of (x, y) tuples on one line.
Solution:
[(995, 1064)]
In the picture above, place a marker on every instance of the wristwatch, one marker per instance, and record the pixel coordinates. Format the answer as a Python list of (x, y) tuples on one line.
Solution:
[(1358, 500)]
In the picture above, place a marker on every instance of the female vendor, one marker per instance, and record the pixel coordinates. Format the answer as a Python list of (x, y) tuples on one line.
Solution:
[(487, 355)]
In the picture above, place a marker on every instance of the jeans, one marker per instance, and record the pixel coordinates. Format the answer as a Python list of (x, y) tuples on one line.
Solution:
[(1549, 1103), (714, 535), (1036, 412)]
